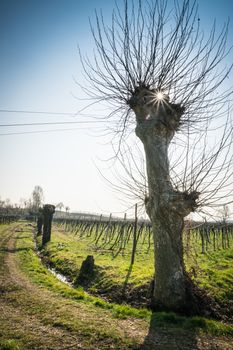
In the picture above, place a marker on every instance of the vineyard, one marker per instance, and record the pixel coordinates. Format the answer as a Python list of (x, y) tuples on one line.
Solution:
[(122, 251), (115, 234), (40, 312), (7, 219)]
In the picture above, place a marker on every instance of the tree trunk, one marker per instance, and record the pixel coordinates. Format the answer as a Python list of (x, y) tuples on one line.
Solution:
[(48, 211), (166, 207), (40, 220), (170, 282)]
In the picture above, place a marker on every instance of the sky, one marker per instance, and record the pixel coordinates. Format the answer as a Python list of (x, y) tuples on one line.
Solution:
[(39, 67)]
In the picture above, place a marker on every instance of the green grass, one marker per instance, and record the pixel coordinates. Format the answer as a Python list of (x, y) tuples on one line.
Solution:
[(67, 251), (214, 270), (10, 344), (97, 308), (51, 304), (40, 275), (163, 319), (31, 265)]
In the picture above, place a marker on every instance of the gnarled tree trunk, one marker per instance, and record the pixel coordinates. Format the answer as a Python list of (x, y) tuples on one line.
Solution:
[(157, 122), (147, 49)]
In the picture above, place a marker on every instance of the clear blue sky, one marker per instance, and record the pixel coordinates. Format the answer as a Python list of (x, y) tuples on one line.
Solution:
[(38, 63)]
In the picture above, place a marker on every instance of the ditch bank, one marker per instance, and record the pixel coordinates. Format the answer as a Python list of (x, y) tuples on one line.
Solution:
[(96, 283)]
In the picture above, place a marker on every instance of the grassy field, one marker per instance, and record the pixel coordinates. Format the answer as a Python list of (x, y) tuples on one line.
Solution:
[(213, 270), (40, 312), (67, 251)]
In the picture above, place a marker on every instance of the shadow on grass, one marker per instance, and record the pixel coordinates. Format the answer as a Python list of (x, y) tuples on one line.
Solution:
[(169, 338), (14, 250), (127, 279)]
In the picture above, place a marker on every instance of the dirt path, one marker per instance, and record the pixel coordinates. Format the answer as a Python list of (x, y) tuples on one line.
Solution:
[(33, 317), (18, 293)]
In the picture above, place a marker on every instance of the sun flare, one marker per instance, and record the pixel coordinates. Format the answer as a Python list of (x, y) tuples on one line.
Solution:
[(160, 96)]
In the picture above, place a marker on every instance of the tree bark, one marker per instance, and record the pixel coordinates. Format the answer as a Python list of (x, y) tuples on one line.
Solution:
[(157, 122), (48, 211), (40, 220)]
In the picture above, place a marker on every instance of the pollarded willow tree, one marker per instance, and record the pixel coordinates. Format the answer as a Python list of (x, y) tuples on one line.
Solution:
[(156, 68)]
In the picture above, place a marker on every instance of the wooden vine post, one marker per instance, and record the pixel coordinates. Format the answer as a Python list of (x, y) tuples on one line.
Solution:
[(134, 235), (48, 211)]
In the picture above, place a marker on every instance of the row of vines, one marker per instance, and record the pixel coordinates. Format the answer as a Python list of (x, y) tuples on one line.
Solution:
[(7, 219), (116, 235)]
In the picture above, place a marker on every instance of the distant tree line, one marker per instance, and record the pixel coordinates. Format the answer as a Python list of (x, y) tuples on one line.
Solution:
[(28, 208)]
